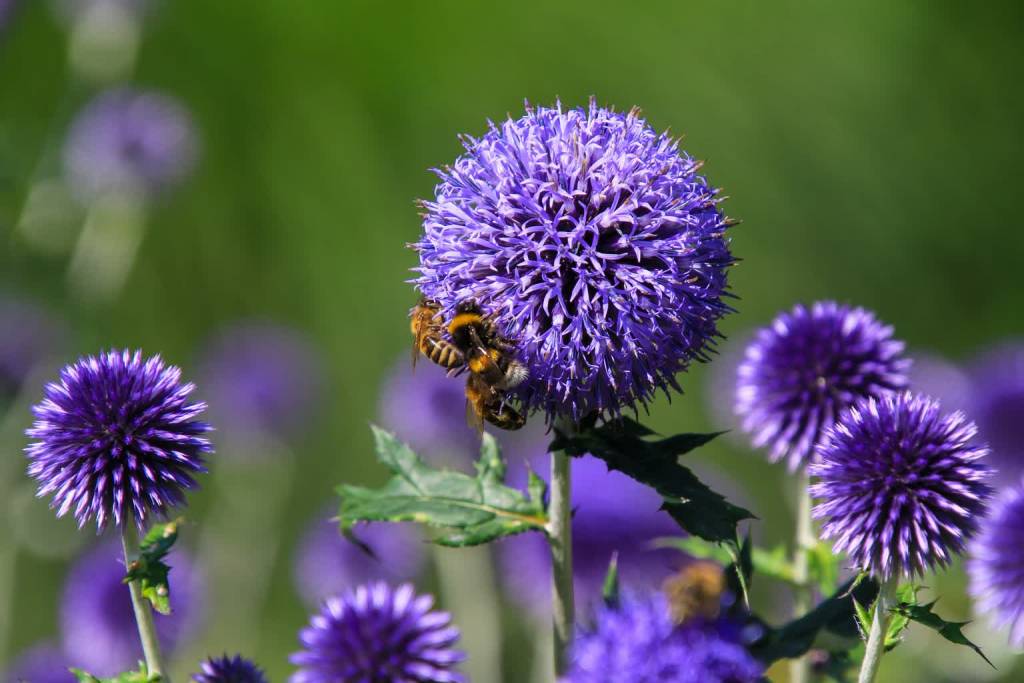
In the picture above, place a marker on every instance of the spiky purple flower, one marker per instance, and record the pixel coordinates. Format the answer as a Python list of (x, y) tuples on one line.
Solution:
[(809, 365), (116, 438), (593, 241), (901, 485), (30, 336), (376, 633), (129, 141), (229, 670), (638, 641), (997, 403), (326, 563), (42, 663), (97, 621), (262, 378), (996, 566)]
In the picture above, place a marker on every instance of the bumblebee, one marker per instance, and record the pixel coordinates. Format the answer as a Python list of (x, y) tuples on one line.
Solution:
[(476, 345), (696, 591)]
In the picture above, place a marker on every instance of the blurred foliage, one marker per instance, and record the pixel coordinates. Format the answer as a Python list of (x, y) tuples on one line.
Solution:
[(869, 148)]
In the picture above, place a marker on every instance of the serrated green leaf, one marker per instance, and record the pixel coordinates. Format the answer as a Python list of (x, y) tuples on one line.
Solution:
[(623, 446), (468, 510), (610, 588), (905, 594), (150, 570), (140, 675), (950, 630), (836, 616), (863, 619)]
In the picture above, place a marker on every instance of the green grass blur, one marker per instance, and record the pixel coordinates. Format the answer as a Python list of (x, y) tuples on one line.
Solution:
[(871, 150)]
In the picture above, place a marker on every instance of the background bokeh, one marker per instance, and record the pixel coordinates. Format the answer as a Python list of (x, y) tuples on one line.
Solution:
[(871, 150)]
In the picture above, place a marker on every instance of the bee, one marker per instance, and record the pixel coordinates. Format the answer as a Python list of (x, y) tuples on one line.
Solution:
[(696, 591), (474, 343)]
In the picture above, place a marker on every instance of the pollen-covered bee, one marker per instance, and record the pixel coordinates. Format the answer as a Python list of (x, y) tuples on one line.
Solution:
[(476, 345), (696, 591)]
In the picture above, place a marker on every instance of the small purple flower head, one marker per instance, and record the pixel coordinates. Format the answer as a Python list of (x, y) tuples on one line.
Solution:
[(262, 378), (98, 623), (593, 241), (638, 641), (229, 670), (997, 403), (902, 486), (42, 663), (30, 336), (376, 633), (996, 566), (116, 438), (327, 564), (613, 514), (129, 141), (808, 366)]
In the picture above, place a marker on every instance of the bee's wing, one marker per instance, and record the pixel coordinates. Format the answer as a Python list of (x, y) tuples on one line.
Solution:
[(475, 400)]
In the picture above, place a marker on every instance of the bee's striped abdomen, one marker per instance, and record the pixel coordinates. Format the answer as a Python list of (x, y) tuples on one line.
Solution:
[(441, 352)]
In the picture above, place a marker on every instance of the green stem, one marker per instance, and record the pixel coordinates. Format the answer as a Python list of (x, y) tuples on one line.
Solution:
[(800, 669), (143, 613), (879, 626), (559, 530)]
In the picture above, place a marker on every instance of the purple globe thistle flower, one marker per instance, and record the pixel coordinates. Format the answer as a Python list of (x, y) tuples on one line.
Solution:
[(996, 567), (117, 438), (638, 641), (327, 564), (613, 514), (593, 241), (30, 336), (229, 670), (129, 141), (262, 378), (98, 623), (997, 403), (805, 368), (902, 485), (376, 633), (42, 663)]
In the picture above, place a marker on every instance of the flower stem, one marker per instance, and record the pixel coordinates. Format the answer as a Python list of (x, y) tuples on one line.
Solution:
[(143, 613), (800, 669), (879, 625), (560, 539)]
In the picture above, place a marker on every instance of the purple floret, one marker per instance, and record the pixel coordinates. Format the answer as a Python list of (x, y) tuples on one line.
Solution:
[(377, 633), (116, 438), (594, 242), (996, 567), (901, 486), (226, 669), (808, 366)]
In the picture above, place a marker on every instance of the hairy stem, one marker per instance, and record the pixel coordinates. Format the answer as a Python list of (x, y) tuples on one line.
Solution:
[(143, 613), (559, 530), (800, 669), (879, 625)]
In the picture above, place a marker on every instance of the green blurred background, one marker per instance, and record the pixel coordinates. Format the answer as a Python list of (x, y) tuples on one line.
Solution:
[(871, 150)]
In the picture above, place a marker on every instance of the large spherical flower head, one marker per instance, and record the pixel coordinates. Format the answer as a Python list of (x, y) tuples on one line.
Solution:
[(262, 378), (376, 633), (129, 141), (997, 403), (638, 641), (809, 365), (229, 670), (996, 566), (593, 241), (902, 486), (326, 563), (116, 438), (98, 626)]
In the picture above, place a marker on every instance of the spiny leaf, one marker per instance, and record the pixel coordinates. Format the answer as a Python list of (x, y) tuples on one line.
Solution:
[(740, 571), (468, 510), (863, 619), (950, 630), (905, 594), (150, 570), (835, 615), (623, 445), (140, 675), (610, 588)]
